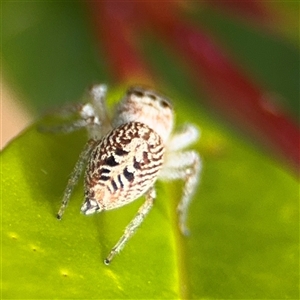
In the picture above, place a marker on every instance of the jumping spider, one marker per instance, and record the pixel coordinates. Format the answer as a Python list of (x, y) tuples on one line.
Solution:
[(126, 154)]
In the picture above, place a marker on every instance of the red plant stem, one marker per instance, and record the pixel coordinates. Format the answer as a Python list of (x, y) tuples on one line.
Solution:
[(231, 90), (113, 23)]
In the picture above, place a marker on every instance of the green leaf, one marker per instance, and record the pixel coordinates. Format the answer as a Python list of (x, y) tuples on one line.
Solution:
[(244, 239)]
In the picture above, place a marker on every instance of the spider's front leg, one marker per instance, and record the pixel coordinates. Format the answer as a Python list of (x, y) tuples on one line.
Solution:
[(84, 155), (185, 165), (92, 115), (133, 225)]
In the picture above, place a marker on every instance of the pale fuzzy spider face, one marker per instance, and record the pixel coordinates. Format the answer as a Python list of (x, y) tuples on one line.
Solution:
[(148, 107), (126, 155)]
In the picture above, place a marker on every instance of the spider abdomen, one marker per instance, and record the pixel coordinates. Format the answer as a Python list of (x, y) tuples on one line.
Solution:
[(122, 167)]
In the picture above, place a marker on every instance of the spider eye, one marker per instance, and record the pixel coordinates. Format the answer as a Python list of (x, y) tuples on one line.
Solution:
[(138, 93), (141, 92), (152, 96), (164, 103), (135, 91)]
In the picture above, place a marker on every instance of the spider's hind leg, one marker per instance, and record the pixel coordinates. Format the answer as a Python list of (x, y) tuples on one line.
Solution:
[(185, 165), (182, 138)]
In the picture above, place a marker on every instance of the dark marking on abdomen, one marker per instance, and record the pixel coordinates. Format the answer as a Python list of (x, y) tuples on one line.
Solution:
[(103, 171), (114, 185), (128, 175), (145, 157), (121, 152), (110, 161), (136, 164), (120, 181)]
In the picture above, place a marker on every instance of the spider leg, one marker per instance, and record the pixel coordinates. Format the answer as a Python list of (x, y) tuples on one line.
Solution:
[(93, 115), (88, 119), (184, 165), (185, 136), (75, 175), (64, 128), (133, 225), (101, 123), (98, 95)]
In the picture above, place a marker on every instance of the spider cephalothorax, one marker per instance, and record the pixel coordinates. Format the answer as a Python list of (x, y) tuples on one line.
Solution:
[(126, 154)]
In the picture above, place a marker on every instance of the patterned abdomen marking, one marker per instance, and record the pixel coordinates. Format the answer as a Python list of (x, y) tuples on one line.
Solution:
[(123, 166)]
